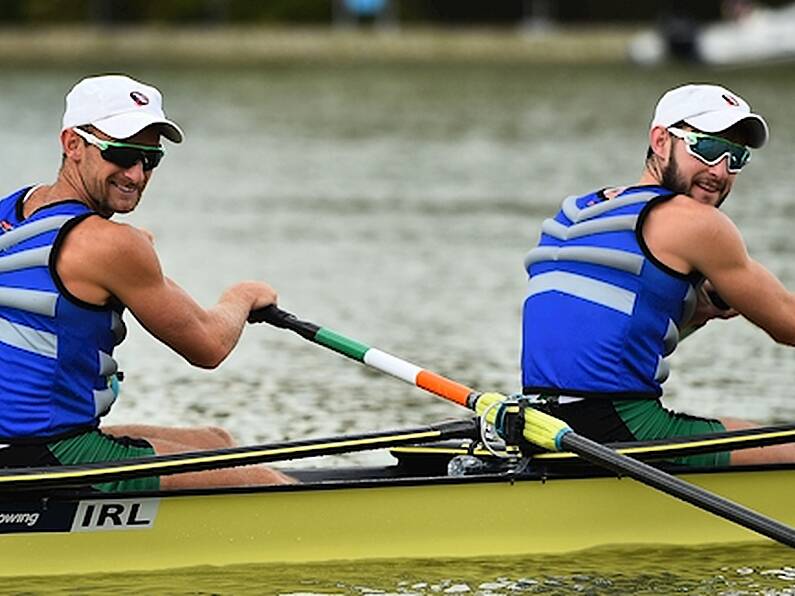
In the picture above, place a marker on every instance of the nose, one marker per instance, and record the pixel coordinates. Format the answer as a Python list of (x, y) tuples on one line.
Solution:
[(135, 172), (721, 168)]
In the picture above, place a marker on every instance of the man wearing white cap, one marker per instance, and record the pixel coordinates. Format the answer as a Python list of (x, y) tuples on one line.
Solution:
[(621, 274), (67, 272)]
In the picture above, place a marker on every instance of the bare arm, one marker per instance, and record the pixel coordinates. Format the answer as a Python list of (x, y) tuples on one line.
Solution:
[(101, 259), (688, 236)]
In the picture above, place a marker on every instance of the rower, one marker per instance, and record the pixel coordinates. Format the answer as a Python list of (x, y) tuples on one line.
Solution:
[(68, 273), (621, 274)]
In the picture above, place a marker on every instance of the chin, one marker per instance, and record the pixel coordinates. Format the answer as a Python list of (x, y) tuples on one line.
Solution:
[(124, 204), (706, 197)]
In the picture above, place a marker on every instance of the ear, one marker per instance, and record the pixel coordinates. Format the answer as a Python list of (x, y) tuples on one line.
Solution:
[(660, 141), (71, 144)]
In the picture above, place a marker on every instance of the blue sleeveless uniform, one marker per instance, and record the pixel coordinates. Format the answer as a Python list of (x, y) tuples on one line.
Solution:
[(56, 352), (601, 313)]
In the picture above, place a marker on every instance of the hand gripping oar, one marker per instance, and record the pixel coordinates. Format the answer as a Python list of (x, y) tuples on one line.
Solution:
[(539, 428)]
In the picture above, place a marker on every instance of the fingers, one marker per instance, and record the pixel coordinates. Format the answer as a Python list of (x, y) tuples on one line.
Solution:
[(263, 294)]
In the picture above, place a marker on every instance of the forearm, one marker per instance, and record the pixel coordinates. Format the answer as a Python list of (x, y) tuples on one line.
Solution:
[(226, 321), (223, 324), (203, 336)]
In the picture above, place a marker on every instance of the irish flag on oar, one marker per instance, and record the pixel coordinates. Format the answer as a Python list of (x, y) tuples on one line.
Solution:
[(538, 428), (405, 371)]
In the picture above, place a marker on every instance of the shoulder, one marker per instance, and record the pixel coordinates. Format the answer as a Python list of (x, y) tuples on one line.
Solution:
[(97, 241), (685, 234), (685, 214), (101, 232)]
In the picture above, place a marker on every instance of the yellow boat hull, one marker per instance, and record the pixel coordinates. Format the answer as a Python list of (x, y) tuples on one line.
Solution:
[(376, 519)]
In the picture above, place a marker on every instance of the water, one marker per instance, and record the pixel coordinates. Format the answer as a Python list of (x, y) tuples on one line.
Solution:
[(762, 570), (395, 204)]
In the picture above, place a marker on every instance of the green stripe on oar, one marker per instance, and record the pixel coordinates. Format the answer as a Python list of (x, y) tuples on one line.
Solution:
[(340, 343), (547, 431)]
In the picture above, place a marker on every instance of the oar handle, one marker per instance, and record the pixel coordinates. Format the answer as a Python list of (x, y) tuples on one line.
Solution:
[(273, 315)]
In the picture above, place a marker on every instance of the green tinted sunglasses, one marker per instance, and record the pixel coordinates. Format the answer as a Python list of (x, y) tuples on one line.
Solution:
[(710, 149), (124, 155)]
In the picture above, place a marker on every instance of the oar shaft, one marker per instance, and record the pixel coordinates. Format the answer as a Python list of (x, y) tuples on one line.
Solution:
[(538, 428)]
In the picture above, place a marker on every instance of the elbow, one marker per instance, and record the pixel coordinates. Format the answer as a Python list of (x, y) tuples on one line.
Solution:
[(205, 364), (207, 359), (783, 336)]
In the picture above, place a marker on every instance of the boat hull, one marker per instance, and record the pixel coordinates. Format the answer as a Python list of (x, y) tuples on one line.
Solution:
[(372, 519)]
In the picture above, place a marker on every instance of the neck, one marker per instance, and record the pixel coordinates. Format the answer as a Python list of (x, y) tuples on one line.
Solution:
[(61, 190), (650, 177)]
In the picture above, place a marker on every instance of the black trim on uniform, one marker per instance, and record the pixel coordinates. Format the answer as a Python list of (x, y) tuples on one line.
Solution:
[(29, 441), (596, 419), (641, 187), (20, 204), (126, 441), (597, 396), (694, 276), (54, 253), (27, 456), (601, 194)]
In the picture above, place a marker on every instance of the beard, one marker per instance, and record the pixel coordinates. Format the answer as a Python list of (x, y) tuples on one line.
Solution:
[(672, 179)]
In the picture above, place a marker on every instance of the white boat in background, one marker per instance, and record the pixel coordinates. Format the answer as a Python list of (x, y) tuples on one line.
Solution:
[(752, 35)]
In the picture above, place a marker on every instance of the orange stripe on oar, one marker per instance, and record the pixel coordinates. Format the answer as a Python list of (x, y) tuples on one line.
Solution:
[(444, 387)]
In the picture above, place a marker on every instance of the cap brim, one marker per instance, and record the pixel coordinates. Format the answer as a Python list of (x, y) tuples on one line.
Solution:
[(755, 127), (123, 126)]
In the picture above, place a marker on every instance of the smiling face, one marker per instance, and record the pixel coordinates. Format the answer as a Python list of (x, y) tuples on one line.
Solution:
[(676, 169), (104, 186)]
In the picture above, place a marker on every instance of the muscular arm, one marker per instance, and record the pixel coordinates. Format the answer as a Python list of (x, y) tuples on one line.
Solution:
[(100, 259), (687, 235)]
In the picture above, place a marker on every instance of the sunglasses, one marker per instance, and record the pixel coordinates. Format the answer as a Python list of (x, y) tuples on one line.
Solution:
[(124, 155), (710, 150)]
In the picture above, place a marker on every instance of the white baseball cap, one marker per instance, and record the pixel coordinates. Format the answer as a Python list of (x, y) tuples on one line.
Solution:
[(710, 108), (118, 106)]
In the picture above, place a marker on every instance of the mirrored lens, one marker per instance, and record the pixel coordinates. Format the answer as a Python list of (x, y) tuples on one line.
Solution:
[(712, 149), (127, 157)]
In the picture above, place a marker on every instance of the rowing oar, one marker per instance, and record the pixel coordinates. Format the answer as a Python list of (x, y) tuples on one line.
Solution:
[(539, 428), (197, 461)]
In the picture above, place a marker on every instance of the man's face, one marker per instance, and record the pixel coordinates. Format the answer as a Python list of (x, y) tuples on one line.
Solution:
[(686, 174), (112, 188)]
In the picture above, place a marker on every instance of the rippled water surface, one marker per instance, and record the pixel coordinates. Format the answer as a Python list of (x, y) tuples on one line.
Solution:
[(755, 570), (395, 204)]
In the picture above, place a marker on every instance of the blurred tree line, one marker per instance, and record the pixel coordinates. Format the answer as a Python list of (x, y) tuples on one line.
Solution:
[(209, 12)]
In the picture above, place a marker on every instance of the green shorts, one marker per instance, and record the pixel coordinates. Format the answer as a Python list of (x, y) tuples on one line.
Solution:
[(95, 446), (615, 421)]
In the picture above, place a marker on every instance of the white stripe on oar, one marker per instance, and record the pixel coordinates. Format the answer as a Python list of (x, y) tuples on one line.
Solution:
[(392, 365), (545, 430)]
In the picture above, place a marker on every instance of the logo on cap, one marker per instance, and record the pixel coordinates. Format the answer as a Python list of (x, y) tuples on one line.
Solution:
[(142, 100), (730, 100)]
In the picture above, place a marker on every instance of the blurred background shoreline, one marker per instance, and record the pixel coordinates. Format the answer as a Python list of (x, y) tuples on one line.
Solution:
[(221, 33), (253, 45)]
